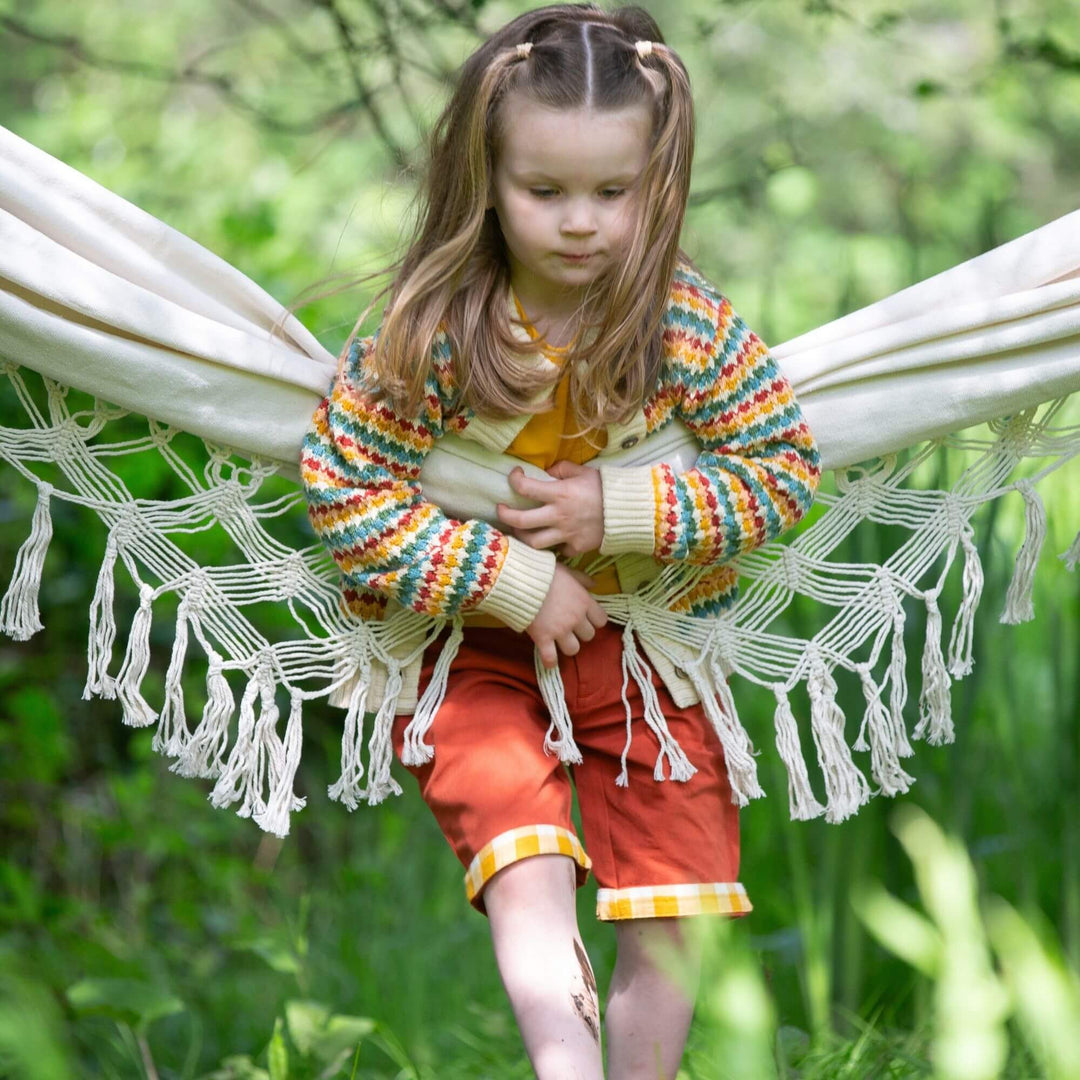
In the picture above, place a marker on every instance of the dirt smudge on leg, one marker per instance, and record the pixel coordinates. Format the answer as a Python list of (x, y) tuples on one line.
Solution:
[(587, 1005)]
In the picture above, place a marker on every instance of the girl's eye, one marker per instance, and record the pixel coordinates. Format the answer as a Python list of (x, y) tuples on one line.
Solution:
[(607, 193)]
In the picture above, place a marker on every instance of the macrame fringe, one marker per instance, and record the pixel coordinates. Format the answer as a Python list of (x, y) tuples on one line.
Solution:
[(884, 750), (20, 617), (346, 789), (416, 751), (633, 664), (1072, 557), (381, 749), (137, 711), (233, 783), (845, 785), (802, 804), (554, 694), (898, 690), (961, 640), (204, 754), (172, 733), (102, 633), (719, 707), (284, 761), (1018, 600), (935, 705)]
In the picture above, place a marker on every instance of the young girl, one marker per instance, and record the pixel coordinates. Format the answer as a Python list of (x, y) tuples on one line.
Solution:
[(545, 310)]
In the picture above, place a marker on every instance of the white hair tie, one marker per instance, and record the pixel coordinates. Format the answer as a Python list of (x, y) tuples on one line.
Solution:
[(524, 49), (644, 48)]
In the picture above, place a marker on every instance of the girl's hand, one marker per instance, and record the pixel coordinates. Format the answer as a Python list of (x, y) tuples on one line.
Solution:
[(572, 515), (568, 616)]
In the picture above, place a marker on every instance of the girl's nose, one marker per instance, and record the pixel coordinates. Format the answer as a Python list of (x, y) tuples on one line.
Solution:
[(579, 220)]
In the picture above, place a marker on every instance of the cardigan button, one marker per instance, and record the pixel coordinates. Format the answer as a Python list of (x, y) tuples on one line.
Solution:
[(627, 444)]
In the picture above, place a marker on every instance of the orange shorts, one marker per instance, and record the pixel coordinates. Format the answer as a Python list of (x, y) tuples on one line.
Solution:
[(658, 848)]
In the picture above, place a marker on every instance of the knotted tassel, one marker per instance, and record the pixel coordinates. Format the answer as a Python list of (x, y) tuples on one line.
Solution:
[(934, 696), (1018, 600), (204, 754), (172, 734), (935, 705), (266, 750), (632, 664), (346, 789), (1072, 556), (961, 640), (282, 800), (137, 712), (719, 707), (554, 694), (845, 785), (898, 684), (415, 751), (232, 784), (884, 757), (381, 749), (801, 802), (102, 633), (19, 614)]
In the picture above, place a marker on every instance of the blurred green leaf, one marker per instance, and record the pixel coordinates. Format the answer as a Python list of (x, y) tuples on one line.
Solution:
[(128, 1000), (317, 1032)]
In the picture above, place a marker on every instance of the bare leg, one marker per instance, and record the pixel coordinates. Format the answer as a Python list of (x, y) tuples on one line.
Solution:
[(544, 967), (648, 1013)]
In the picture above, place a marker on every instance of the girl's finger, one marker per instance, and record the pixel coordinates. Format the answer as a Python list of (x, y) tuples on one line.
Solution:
[(540, 490), (585, 631), (540, 538), (534, 518), (548, 656), (569, 644)]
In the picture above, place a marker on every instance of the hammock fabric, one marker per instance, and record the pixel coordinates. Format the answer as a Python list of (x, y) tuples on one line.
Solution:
[(99, 296)]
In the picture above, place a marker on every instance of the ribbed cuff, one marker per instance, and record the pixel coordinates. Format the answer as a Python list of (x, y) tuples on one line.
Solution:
[(523, 582), (629, 509)]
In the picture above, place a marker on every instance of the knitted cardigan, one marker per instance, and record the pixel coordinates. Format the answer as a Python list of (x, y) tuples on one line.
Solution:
[(755, 477)]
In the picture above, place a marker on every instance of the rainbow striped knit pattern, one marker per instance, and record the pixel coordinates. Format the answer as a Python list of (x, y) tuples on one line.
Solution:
[(755, 477)]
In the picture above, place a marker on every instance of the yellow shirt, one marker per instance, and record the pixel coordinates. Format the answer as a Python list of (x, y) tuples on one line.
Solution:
[(547, 438)]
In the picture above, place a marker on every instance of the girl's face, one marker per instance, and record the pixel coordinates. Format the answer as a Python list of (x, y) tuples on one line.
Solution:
[(564, 185)]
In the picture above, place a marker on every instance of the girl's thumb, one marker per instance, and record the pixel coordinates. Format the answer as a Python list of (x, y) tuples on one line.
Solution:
[(583, 578)]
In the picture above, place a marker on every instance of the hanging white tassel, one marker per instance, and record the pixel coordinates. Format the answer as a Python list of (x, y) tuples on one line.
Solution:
[(1018, 600), (554, 694), (845, 785), (346, 789), (961, 641), (137, 712), (935, 705), (266, 748), (381, 749), (19, 614), (282, 800), (243, 760), (102, 633), (415, 751), (884, 759), (680, 767), (1072, 557), (172, 734), (204, 754), (719, 707), (898, 684), (802, 805)]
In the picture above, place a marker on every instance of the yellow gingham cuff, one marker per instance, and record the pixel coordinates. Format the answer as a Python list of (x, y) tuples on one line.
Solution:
[(520, 843), (663, 901)]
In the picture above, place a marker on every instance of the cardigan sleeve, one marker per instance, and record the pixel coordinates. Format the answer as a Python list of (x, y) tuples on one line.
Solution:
[(756, 474), (360, 466)]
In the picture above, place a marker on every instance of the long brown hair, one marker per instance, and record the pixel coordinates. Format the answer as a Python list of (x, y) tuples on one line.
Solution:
[(454, 275)]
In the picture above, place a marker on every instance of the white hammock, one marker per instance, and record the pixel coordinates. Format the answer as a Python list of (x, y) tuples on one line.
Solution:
[(97, 295)]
